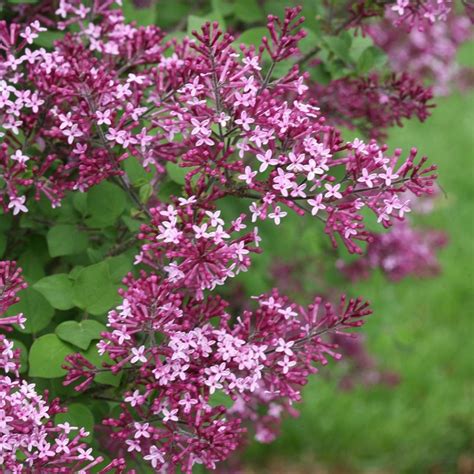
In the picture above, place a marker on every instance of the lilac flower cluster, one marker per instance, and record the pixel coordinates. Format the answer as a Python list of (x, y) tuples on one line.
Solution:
[(419, 13), (108, 90), (429, 53), (181, 352), (373, 104), (29, 439), (403, 251)]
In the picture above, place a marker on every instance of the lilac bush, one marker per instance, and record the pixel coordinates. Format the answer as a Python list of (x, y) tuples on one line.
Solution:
[(121, 143)]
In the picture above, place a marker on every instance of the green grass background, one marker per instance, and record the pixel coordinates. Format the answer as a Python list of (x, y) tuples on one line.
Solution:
[(420, 328)]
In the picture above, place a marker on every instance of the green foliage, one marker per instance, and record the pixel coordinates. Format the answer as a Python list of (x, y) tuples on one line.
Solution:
[(105, 203), (57, 289), (80, 334), (77, 414), (93, 289), (66, 240), (47, 355), (36, 309), (248, 11), (252, 36), (219, 398), (195, 22), (176, 173)]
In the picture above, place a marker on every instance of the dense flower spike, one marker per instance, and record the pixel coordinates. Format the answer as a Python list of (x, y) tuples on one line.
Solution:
[(189, 359)]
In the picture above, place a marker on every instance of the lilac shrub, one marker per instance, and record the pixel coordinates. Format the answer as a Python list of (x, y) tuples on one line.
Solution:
[(212, 121)]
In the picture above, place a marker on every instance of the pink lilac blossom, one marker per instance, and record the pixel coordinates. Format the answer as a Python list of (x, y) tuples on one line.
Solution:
[(402, 252), (29, 439), (180, 351), (93, 111), (418, 14), (428, 54), (373, 104)]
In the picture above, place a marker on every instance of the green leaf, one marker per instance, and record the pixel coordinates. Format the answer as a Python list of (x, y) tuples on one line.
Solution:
[(320, 74), (57, 289), (224, 7), (195, 23), (46, 356), (248, 11), (145, 192), (309, 42), (340, 46), (77, 415), (120, 265), (167, 189), (176, 172), (3, 244), (37, 311), (94, 290), (80, 334), (370, 58), (136, 172), (66, 239), (252, 36), (106, 377), (47, 38), (105, 203), (359, 44), (80, 202), (220, 398)]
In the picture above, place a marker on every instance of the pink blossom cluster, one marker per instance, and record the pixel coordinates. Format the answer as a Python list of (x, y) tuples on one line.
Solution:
[(418, 14), (373, 104), (234, 128), (29, 439), (403, 251), (181, 352), (429, 53)]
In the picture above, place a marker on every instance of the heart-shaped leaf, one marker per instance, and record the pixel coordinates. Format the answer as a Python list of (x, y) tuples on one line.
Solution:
[(81, 333)]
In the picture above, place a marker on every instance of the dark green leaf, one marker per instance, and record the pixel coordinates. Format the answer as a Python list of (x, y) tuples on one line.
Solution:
[(80, 334), (195, 23), (249, 11), (37, 311), (252, 36), (77, 415), (176, 172), (66, 239), (120, 265), (135, 172), (94, 290), (57, 289), (105, 203), (46, 356), (220, 398)]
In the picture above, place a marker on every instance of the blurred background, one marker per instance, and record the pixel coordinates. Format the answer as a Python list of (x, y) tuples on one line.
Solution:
[(404, 401)]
